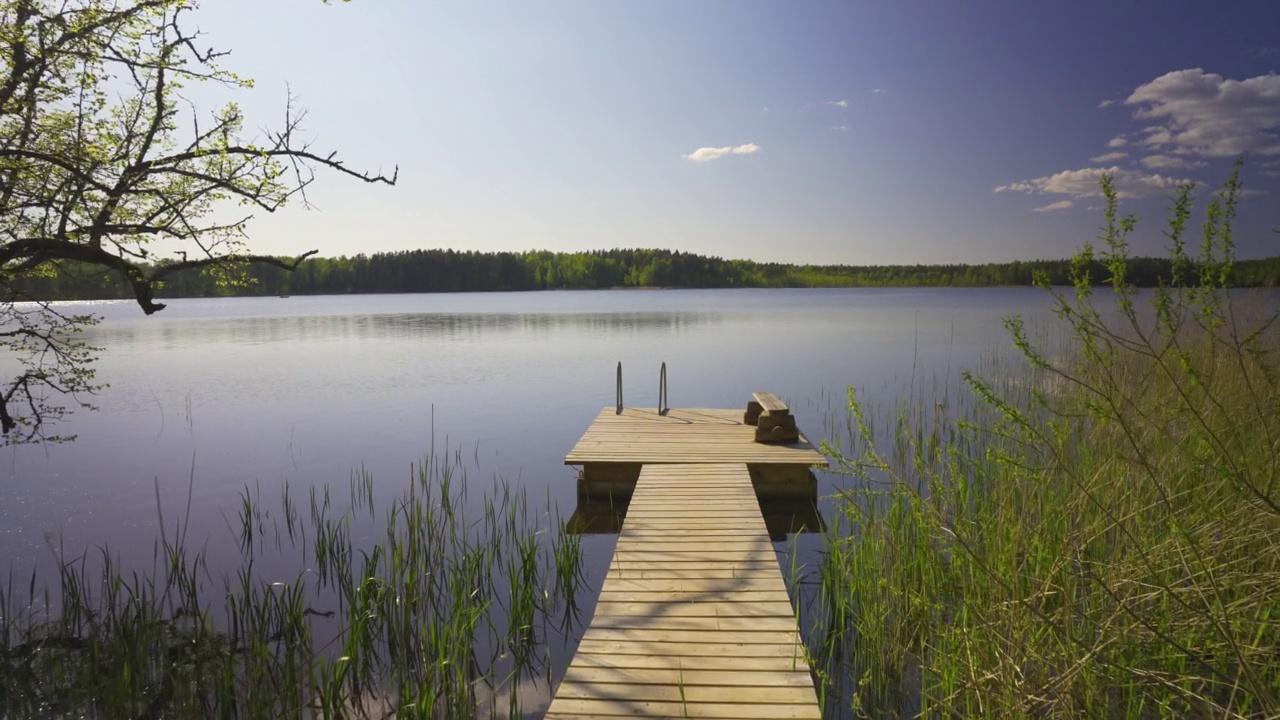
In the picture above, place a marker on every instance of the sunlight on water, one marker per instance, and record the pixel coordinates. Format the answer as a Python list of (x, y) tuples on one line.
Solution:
[(217, 393)]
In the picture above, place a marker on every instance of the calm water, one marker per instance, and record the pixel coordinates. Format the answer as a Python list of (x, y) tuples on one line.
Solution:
[(211, 395)]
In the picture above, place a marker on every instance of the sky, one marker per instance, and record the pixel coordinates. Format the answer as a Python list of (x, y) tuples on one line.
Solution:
[(797, 131)]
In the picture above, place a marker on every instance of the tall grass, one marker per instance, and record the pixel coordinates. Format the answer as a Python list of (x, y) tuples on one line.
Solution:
[(1091, 529), (443, 615)]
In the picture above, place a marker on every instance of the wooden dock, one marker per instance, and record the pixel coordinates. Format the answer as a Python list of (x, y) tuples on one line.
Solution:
[(694, 619), (614, 448), (644, 436)]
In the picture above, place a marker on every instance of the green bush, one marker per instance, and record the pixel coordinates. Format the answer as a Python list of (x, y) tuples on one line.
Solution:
[(1094, 530)]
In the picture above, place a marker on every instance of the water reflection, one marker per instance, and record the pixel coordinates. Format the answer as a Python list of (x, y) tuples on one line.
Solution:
[(213, 395), (782, 516), (446, 327)]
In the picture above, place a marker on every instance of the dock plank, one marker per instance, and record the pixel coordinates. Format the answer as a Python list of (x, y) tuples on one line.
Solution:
[(587, 673), (641, 435), (578, 708), (778, 666), (693, 619), (650, 608)]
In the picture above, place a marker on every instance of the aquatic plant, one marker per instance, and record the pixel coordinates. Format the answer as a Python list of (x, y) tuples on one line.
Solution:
[(445, 614), (1089, 529)]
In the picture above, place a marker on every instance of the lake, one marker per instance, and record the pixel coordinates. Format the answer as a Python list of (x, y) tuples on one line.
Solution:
[(211, 395)]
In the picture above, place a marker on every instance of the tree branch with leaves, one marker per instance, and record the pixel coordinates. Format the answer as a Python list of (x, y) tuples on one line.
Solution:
[(103, 161)]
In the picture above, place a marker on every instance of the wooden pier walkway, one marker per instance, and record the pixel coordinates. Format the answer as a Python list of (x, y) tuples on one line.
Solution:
[(645, 436), (694, 618), (617, 445)]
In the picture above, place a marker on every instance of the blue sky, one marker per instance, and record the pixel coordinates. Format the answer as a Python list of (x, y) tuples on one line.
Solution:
[(841, 132)]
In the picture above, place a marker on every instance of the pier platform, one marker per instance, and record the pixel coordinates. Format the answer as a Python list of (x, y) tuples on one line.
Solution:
[(694, 619), (616, 445)]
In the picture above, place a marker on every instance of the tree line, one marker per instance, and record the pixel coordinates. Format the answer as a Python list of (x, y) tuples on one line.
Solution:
[(453, 271)]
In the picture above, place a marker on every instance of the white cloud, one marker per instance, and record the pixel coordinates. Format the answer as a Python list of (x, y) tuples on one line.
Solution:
[(1271, 173), (1060, 205), (1108, 157), (1117, 141), (1159, 136), (1208, 115), (1106, 103), (1167, 162), (879, 91), (839, 103), (707, 154), (839, 127), (1083, 183), (1017, 187)]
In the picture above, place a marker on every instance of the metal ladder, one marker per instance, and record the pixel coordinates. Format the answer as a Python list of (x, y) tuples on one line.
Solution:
[(663, 406)]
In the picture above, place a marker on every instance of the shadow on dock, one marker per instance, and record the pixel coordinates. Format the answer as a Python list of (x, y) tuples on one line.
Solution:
[(782, 516)]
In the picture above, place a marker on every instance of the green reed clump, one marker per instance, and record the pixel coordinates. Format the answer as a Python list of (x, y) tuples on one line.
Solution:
[(1093, 530), (438, 617)]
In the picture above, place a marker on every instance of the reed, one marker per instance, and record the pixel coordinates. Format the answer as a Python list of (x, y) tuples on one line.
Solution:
[(442, 614), (1087, 528)]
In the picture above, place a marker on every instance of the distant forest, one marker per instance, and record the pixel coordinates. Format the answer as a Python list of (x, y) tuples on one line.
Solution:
[(452, 271)]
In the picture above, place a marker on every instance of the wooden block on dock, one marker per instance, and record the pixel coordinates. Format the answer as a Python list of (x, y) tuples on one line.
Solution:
[(770, 403), (775, 424), (766, 404), (778, 434)]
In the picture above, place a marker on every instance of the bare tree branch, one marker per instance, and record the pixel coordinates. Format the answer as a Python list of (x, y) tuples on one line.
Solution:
[(98, 177), (170, 268)]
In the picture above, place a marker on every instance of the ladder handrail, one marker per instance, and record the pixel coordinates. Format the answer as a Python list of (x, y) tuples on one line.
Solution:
[(663, 407), (619, 412)]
